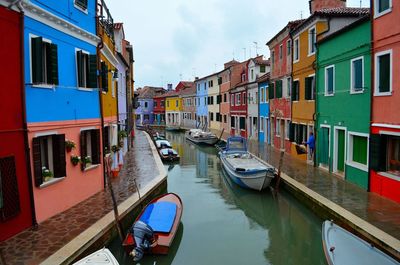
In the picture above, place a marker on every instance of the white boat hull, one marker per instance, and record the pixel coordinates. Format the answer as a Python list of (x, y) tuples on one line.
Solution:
[(102, 256), (202, 140)]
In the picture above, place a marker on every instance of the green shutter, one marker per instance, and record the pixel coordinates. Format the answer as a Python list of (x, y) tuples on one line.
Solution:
[(360, 149), (104, 76), (358, 75), (291, 132), (308, 87), (53, 66), (92, 71), (324, 146), (278, 88), (95, 142), (59, 163), (271, 90), (37, 60), (384, 73), (83, 146), (340, 150), (37, 161), (79, 68)]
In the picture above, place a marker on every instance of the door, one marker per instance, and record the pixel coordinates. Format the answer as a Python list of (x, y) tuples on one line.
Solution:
[(340, 151), (324, 147)]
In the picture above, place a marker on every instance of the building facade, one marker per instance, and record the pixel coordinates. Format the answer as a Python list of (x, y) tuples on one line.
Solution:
[(385, 129), (344, 102), (159, 109), (188, 96), (263, 99), (238, 110), (201, 104), (213, 101), (16, 211), (60, 82), (224, 106)]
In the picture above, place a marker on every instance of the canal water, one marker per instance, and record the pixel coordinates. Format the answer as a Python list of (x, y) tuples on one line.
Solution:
[(225, 224)]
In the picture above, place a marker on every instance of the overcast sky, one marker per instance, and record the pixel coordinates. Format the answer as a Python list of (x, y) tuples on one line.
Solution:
[(178, 39)]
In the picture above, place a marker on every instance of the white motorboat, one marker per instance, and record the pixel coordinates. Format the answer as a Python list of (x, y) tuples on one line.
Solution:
[(198, 136), (102, 256)]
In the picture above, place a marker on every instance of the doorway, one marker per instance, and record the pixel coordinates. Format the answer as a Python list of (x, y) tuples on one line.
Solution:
[(339, 150)]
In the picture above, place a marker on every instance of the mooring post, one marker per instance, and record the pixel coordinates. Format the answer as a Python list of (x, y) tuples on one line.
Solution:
[(278, 180)]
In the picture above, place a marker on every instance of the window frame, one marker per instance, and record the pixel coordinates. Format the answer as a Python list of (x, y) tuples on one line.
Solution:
[(378, 14), (288, 47), (80, 8), (353, 90), (376, 73), (326, 80), (280, 52), (296, 50), (349, 158), (310, 39)]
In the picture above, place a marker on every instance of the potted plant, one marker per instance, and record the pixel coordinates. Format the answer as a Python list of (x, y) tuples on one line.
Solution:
[(115, 148), (86, 161), (69, 145), (46, 174), (122, 134), (75, 159)]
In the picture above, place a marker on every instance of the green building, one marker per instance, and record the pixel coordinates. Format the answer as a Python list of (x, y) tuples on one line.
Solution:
[(343, 103)]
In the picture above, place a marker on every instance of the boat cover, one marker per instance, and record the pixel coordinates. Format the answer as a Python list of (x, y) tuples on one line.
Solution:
[(245, 162), (160, 216)]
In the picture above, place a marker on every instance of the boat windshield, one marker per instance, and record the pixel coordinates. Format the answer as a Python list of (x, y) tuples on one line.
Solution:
[(236, 143)]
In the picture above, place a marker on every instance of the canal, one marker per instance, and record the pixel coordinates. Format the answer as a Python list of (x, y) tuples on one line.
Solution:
[(225, 224)]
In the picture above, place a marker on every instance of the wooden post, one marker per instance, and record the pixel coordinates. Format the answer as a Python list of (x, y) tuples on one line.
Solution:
[(279, 171)]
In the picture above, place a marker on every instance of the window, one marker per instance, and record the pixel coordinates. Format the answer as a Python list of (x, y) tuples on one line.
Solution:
[(225, 97), (219, 99), (232, 122), (262, 99), (44, 62), (272, 58), (278, 127), (309, 88), (329, 80), (278, 87), (104, 76), (162, 103), (211, 114), (262, 68), (271, 91), (145, 104), (176, 103), (312, 37), (296, 50), (232, 99), (210, 83), (155, 104), (358, 150), (262, 124), (86, 69), (393, 155), (238, 99), (287, 129), (242, 123), (383, 73), (280, 52), (48, 158), (90, 148), (289, 47), (219, 80), (357, 75), (82, 4), (382, 7), (167, 103), (295, 90), (244, 98), (288, 86), (9, 194), (225, 119)]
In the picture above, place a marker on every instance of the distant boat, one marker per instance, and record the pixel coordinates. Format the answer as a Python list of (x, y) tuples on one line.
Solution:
[(243, 168), (163, 144), (169, 155), (155, 228), (198, 136), (102, 256), (342, 247), (173, 128)]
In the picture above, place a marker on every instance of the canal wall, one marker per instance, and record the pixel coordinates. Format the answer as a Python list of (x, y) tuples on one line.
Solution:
[(104, 230)]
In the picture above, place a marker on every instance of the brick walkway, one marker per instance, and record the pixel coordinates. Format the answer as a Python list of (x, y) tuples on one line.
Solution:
[(33, 246), (376, 210)]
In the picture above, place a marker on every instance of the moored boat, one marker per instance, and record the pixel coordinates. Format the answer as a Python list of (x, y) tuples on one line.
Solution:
[(168, 155), (155, 228), (162, 144), (198, 136), (342, 247), (102, 256), (243, 168)]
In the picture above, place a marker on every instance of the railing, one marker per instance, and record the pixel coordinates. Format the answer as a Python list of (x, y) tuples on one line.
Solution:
[(105, 19)]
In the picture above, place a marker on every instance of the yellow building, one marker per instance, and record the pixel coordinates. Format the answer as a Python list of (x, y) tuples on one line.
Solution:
[(173, 109), (324, 21)]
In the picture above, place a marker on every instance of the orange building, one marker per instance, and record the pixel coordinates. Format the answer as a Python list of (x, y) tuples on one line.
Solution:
[(327, 16)]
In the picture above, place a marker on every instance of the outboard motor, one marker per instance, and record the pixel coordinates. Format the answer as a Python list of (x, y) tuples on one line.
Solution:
[(143, 235)]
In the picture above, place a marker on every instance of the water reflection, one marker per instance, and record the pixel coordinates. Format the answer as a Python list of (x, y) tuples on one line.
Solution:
[(225, 224)]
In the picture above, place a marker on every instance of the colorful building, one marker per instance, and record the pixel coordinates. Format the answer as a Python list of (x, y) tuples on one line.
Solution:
[(188, 96), (256, 68), (213, 101), (201, 105), (281, 82), (263, 129), (238, 99), (60, 83), (326, 18), (385, 129), (174, 105), (145, 110), (16, 211), (159, 109), (344, 101)]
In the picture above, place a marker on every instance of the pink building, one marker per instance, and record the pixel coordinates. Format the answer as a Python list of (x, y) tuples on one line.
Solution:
[(385, 129)]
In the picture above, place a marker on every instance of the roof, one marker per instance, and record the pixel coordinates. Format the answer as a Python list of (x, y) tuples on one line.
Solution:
[(190, 90), (263, 78), (260, 61), (290, 25), (333, 12), (148, 92), (118, 25), (348, 27)]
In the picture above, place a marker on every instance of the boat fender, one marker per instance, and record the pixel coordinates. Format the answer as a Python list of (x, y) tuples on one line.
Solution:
[(143, 235)]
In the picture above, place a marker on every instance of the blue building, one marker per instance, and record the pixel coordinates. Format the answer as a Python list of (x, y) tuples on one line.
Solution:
[(201, 103), (264, 135), (62, 102)]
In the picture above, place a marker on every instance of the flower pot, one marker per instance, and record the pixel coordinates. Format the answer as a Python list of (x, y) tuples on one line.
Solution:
[(69, 149), (75, 163), (115, 173)]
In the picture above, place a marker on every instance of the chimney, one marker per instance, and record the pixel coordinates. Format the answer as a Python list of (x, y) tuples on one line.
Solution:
[(196, 78), (316, 5)]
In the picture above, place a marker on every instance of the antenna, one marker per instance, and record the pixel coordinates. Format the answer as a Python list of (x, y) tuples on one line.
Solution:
[(180, 76), (256, 44), (360, 3), (233, 54), (301, 14), (244, 52)]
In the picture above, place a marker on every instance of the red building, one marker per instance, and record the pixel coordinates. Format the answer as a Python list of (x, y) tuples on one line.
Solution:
[(238, 99), (281, 84), (159, 109), (15, 197), (385, 128)]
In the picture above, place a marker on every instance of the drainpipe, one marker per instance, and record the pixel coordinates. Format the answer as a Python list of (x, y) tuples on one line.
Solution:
[(24, 120), (372, 85)]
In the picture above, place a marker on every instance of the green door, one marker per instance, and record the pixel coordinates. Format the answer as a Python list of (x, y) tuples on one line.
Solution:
[(324, 147), (340, 150)]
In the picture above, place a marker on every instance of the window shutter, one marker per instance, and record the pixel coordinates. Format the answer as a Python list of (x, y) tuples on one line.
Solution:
[(95, 138), (104, 76), (81, 3), (232, 121), (291, 132), (384, 73), (378, 145), (79, 67), (59, 163), (92, 71), (37, 162), (271, 90), (308, 88), (37, 60), (10, 205), (53, 64), (83, 148)]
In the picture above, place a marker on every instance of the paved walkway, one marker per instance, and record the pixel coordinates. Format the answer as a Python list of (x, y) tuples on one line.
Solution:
[(376, 210), (33, 246)]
